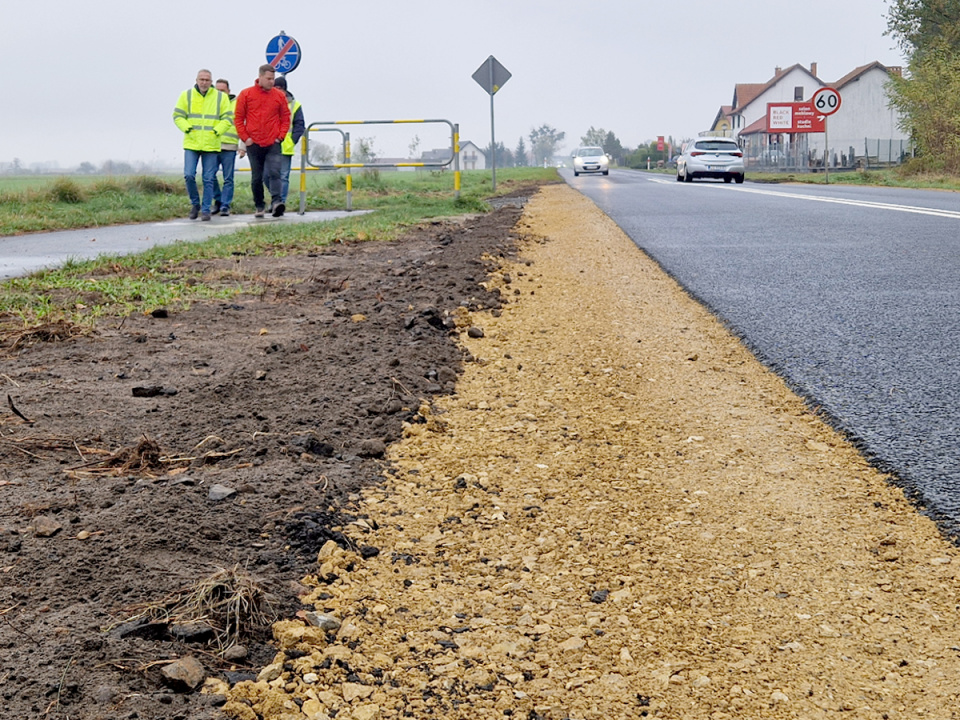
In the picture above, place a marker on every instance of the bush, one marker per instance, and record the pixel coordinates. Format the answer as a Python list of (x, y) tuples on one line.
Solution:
[(153, 185), (108, 186), (65, 190)]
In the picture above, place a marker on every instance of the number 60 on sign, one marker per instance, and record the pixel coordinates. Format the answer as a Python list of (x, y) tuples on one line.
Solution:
[(826, 101)]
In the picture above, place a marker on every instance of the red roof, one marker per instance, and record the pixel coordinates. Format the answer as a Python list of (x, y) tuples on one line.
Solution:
[(760, 126), (857, 72), (746, 93)]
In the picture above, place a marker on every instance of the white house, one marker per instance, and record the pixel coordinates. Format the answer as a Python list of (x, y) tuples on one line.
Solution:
[(471, 157), (795, 84), (864, 130), (865, 120)]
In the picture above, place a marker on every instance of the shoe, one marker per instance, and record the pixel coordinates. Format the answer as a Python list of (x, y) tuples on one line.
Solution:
[(224, 212), (216, 207), (278, 209), (194, 212), (205, 216), (258, 213)]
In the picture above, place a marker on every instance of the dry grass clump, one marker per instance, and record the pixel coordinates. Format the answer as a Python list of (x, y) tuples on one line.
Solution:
[(55, 331), (230, 602)]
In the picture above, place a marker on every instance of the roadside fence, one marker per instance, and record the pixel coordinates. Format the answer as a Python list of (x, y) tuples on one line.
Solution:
[(802, 155)]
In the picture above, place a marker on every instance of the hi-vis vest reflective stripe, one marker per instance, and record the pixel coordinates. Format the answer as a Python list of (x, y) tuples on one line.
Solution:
[(203, 119), (286, 147), (230, 137)]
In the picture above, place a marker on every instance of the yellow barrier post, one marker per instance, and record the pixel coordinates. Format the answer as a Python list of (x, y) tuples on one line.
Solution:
[(346, 159), (456, 161), (303, 175)]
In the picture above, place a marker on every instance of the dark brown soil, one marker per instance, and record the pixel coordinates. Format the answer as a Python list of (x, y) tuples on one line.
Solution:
[(108, 530)]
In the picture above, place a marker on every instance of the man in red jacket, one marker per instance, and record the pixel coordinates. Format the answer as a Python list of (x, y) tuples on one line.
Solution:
[(262, 118)]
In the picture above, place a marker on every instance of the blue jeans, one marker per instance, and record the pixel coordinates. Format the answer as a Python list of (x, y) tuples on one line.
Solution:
[(227, 159), (285, 162), (208, 163)]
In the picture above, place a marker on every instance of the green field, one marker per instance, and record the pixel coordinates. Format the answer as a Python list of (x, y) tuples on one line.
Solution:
[(46, 203)]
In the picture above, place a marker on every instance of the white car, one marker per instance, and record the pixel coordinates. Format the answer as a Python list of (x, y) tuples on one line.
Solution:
[(711, 157), (590, 160)]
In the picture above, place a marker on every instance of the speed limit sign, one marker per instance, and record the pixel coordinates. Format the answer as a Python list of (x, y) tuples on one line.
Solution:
[(826, 101)]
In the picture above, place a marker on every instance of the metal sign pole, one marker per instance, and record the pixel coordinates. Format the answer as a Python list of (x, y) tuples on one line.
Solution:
[(491, 76), (826, 153), (493, 142)]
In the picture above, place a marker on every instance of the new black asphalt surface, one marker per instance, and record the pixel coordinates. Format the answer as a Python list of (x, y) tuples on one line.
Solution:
[(23, 254), (852, 294)]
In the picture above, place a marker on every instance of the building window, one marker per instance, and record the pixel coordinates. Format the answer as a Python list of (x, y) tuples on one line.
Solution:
[(798, 94)]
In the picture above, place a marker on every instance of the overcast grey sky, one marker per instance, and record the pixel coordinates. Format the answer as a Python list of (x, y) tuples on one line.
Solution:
[(100, 78)]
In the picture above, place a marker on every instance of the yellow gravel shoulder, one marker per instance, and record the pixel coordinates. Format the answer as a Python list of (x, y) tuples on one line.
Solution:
[(621, 514)]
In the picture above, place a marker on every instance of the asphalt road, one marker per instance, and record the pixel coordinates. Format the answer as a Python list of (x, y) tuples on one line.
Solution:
[(851, 294), (23, 254)]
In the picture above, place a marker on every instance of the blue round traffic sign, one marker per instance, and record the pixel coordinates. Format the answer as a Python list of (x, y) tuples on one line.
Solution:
[(283, 53)]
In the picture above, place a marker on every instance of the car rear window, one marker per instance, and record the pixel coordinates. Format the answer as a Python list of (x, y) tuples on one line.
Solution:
[(726, 145)]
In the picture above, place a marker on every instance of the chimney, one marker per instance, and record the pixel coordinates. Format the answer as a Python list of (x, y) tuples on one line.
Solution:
[(777, 70), (813, 69), (895, 70)]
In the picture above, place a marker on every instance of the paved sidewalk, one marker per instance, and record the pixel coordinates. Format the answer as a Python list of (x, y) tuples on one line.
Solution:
[(23, 254)]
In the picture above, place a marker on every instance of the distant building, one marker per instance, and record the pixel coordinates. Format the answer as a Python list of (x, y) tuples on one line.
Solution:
[(471, 156), (436, 157), (864, 131)]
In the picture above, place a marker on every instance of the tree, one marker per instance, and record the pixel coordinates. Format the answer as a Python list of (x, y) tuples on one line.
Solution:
[(929, 101), (321, 154), (612, 147), (362, 150), (116, 167), (923, 25), (648, 151), (594, 137), (504, 156), (414, 147), (86, 168), (520, 154), (927, 96), (544, 141)]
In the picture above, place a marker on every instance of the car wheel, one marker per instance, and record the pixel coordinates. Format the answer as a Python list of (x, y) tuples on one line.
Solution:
[(728, 178), (576, 174), (679, 176), (606, 172), (687, 177), (739, 179)]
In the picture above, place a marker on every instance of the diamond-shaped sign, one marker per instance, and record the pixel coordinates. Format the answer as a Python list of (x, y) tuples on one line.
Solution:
[(491, 75)]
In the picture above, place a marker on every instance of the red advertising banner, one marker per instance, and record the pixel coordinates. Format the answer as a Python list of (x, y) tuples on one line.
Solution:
[(660, 143), (794, 118)]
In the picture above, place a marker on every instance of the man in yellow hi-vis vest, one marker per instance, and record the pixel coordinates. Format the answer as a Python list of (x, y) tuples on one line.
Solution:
[(203, 114), (289, 144), (229, 145)]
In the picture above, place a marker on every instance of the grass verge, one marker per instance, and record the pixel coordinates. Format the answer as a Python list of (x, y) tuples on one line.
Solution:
[(162, 277)]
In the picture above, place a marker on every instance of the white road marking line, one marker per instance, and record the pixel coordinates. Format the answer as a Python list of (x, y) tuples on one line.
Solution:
[(837, 201)]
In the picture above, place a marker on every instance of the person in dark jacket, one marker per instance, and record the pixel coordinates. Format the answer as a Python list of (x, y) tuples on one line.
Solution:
[(289, 145), (263, 119)]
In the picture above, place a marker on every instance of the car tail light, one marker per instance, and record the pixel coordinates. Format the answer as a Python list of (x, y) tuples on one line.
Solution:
[(737, 154), (697, 154)]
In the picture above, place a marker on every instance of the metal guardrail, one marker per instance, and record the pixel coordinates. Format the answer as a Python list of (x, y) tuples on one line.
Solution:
[(330, 126)]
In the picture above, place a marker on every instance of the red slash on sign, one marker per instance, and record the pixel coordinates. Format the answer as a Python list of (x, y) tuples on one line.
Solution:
[(283, 51)]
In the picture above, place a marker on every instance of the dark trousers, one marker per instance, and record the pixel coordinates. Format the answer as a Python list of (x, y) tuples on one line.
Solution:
[(264, 168)]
